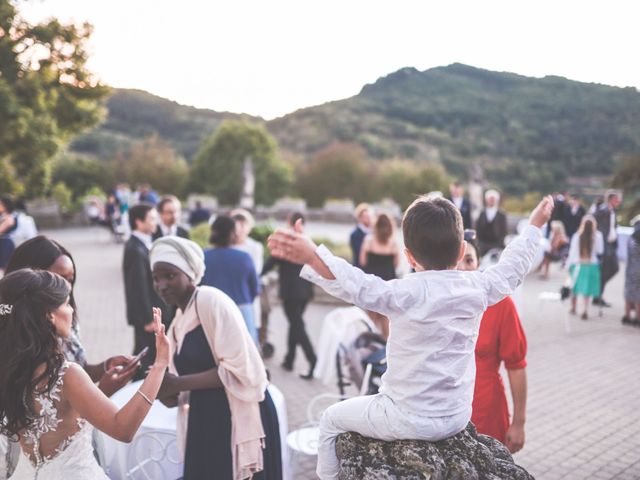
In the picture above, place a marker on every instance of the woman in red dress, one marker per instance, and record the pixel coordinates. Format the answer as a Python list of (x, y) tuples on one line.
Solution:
[(501, 339)]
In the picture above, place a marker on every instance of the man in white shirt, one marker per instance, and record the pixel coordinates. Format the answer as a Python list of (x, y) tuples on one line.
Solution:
[(491, 225), (435, 314)]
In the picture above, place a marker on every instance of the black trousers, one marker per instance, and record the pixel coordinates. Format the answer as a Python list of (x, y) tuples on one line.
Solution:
[(144, 339), (609, 265), (294, 309)]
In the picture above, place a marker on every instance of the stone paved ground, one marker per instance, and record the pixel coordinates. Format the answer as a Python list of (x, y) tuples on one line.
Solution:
[(584, 387)]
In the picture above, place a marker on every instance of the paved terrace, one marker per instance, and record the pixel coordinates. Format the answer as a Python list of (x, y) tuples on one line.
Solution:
[(584, 387)]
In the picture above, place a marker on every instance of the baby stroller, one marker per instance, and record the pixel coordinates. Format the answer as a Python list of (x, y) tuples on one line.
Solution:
[(118, 230), (365, 360), (348, 343)]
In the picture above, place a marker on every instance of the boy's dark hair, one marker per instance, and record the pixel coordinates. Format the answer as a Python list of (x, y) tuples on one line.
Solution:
[(432, 231), (138, 212), (294, 217)]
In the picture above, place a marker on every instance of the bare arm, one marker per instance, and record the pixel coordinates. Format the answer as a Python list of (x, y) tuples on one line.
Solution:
[(93, 405), (515, 433), (6, 223), (173, 384)]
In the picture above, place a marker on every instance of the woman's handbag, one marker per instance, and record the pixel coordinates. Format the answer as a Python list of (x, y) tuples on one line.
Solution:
[(565, 290)]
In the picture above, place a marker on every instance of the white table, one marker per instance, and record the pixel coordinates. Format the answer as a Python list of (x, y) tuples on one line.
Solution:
[(153, 453)]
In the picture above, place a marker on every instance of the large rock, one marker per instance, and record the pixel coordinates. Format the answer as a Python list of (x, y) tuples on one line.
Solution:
[(465, 456)]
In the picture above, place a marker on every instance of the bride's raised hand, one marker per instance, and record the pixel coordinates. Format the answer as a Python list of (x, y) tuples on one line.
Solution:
[(163, 350)]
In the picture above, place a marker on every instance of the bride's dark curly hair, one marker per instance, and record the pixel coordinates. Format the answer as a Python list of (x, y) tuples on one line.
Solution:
[(28, 340)]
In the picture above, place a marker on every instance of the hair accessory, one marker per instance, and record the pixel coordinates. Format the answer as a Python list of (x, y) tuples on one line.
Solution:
[(5, 309)]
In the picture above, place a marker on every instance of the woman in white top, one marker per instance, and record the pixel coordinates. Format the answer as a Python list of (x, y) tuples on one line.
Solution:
[(50, 404), (586, 245)]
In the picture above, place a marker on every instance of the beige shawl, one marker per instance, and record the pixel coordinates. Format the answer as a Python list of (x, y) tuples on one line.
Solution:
[(240, 369)]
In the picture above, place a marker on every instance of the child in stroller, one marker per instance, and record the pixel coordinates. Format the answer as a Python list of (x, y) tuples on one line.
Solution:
[(364, 358)]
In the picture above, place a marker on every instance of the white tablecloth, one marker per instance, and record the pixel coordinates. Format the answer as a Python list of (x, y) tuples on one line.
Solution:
[(623, 239), (154, 450), (340, 326)]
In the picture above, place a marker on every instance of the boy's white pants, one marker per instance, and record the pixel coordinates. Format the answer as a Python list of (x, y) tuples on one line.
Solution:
[(376, 416)]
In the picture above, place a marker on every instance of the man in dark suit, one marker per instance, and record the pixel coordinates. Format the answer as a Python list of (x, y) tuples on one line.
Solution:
[(138, 283), (559, 208), (169, 210), (491, 226), (573, 213), (199, 215), (364, 217), (295, 294), (457, 198), (607, 224)]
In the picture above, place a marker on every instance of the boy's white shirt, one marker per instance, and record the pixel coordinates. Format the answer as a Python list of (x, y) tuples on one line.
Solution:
[(434, 318)]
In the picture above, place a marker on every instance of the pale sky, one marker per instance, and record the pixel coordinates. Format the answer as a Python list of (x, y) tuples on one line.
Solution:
[(271, 57)]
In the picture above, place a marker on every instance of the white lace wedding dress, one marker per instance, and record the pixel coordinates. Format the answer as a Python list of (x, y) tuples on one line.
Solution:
[(57, 447)]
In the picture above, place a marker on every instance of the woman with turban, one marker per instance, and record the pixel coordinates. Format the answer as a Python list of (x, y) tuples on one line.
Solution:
[(227, 423)]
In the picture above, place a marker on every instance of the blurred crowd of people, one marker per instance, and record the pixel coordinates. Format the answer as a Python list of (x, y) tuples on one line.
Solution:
[(587, 241), (584, 240)]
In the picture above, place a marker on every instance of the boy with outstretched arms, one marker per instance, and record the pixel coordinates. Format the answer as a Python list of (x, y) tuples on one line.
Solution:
[(434, 316)]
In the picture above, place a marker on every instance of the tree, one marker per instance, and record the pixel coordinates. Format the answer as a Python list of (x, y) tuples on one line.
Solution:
[(152, 161), (404, 180), (340, 170), (627, 177), (218, 165), (46, 95), (81, 174)]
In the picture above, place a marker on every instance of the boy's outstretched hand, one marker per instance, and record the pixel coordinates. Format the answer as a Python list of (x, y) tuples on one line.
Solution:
[(542, 213), (297, 248), (292, 246)]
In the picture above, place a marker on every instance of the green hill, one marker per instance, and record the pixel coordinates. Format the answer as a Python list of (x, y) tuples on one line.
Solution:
[(135, 115), (526, 133)]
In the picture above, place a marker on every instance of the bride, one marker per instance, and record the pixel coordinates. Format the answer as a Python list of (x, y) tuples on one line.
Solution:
[(47, 404)]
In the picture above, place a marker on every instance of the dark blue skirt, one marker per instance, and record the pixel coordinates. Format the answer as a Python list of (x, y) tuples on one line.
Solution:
[(208, 449), (6, 249)]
